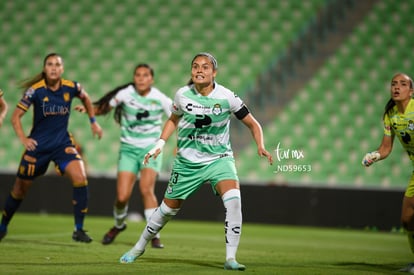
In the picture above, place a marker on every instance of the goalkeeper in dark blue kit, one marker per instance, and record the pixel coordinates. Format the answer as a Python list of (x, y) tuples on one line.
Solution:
[(49, 140)]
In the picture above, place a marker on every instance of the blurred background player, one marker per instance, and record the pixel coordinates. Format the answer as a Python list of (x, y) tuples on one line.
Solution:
[(399, 121), (139, 108), (3, 108), (49, 140), (201, 112)]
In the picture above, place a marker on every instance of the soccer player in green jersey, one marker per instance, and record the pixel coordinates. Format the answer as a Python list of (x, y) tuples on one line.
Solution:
[(139, 108), (399, 122), (3, 108), (201, 112)]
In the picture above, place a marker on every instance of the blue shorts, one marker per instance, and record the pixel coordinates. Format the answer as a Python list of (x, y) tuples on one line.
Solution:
[(34, 163)]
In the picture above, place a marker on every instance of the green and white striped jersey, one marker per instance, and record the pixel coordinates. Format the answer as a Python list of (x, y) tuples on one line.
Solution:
[(141, 119), (204, 128)]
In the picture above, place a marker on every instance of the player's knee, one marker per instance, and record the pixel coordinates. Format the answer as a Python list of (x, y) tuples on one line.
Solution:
[(79, 179), (20, 188), (146, 191), (122, 200)]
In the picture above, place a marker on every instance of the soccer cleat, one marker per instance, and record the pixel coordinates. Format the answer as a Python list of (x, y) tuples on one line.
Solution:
[(131, 256), (81, 236), (112, 233), (232, 264), (409, 268), (156, 243)]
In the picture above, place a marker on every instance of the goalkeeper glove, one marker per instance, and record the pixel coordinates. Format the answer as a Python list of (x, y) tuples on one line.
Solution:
[(370, 158)]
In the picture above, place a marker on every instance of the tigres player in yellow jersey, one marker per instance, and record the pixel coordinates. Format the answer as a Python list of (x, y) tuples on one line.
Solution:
[(3, 108), (399, 122)]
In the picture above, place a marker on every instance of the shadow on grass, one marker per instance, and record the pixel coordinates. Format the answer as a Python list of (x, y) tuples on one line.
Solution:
[(196, 262), (44, 242), (370, 266), (158, 261), (169, 260)]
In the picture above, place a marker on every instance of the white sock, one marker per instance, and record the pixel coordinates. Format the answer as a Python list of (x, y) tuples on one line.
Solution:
[(158, 219), (233, 223), (147, 213), (120, 215)]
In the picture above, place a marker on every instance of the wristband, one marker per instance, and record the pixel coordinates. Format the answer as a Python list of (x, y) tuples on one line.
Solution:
[(158, 146), (92, 119)]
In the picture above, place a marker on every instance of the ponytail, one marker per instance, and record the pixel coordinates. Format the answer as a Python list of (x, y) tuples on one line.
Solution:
[(103, 103), (26, 84)]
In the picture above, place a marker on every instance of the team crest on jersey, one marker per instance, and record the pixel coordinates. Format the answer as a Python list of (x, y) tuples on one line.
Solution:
[(29, 93), (66, 97), (216, 109), (45, 99)]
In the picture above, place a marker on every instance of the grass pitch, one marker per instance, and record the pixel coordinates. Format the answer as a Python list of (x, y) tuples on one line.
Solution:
[(42, 244)]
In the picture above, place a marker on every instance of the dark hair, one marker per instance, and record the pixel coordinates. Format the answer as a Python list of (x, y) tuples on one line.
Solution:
[(36, 78), (213, 61), (145, 65), (103, 103), (391, 103)]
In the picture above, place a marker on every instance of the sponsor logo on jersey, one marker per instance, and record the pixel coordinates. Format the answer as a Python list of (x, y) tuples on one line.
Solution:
[(52, 109), (190, 107)]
